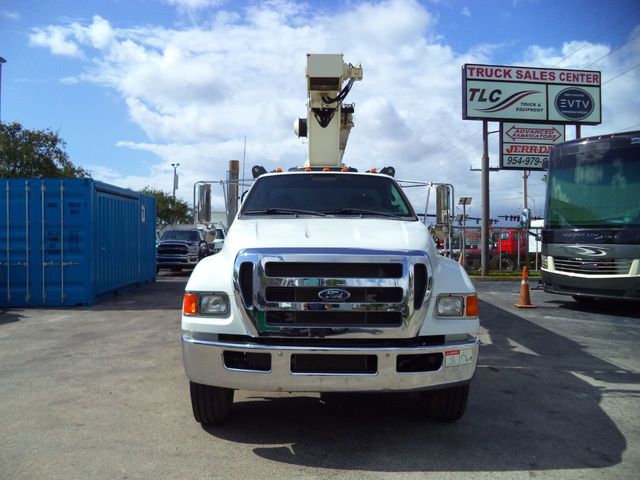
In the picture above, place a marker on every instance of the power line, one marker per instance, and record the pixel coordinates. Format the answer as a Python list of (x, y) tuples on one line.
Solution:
[(612, 51), (456, 145), (621, 74), (629, 128), (614, 24)]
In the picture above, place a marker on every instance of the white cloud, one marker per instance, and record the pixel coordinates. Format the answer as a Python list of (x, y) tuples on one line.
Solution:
[(10, 15), (70, 80), (197, 91), (68, 40), (466, 12), (194, 4), (55, 39)]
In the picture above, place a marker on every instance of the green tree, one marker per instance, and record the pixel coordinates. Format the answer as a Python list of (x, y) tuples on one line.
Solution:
[(169, 210), (28, 153)]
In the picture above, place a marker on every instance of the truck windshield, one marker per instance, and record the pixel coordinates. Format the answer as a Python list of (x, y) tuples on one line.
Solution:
[(181, 235), (327, 194), (594, 184)]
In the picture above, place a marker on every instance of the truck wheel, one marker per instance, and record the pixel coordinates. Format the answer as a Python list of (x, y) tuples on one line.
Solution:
[(211, 405), (508, 265), (447, 404)]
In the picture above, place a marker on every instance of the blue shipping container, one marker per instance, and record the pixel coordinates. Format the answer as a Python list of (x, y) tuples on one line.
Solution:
[(67, 242)]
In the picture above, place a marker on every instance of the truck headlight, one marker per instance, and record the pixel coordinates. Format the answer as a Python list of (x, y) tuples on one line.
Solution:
[(544, 263), (464, 305), (214, 304), (449, 306)]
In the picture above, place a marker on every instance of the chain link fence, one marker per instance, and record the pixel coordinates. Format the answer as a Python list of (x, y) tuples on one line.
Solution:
[(510, 248)]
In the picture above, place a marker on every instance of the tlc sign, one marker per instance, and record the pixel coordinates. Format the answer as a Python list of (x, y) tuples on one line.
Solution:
[(525, 94)]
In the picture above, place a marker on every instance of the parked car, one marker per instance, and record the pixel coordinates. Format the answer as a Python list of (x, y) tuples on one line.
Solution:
[(217, 243), (182, 248)]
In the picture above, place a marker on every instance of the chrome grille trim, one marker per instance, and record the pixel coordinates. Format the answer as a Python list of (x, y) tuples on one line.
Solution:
[(253, 304), (609, 266)]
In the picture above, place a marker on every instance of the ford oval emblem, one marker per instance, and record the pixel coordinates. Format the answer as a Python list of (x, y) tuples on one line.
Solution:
[(333, 294)]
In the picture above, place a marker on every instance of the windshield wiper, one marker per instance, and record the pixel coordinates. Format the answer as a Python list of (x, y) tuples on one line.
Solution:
[(284, 211), (361, 211)]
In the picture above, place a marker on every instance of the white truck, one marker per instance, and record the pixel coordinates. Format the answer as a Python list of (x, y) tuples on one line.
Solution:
[(328, 282)]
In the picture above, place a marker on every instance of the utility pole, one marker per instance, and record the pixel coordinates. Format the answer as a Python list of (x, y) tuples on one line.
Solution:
[(525, 175), (484, 235), (2, 60), (175, 179)]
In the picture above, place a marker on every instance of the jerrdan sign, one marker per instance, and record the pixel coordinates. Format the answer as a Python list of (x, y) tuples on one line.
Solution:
[(525, 146)]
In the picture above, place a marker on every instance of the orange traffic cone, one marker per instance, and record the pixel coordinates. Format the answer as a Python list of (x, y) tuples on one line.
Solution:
[(525, 299)]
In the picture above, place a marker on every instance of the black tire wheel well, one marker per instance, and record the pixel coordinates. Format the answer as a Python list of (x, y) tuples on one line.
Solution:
[(211, 405), (447, 404)]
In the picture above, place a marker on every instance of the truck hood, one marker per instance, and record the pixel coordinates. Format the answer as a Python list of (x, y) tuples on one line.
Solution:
[(367, 233)]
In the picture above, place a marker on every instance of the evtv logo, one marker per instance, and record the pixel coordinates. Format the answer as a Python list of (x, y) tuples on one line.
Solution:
[(574, 103)]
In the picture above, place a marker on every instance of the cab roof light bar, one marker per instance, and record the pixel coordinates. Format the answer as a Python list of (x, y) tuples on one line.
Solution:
[(258, 170)]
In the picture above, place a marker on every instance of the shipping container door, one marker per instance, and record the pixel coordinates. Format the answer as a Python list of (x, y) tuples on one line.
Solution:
[(65, 241), (14, 281), (116, 250)]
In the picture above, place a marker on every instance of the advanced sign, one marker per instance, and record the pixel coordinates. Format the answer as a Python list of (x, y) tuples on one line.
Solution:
[(524, 94), (525, 146)]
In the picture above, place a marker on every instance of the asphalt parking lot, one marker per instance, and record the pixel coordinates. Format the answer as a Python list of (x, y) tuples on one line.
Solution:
[(100, 393)]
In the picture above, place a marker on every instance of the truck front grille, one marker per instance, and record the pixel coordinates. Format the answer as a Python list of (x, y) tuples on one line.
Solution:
[(609, 266), (334, 270), (336, 364), (357, 294), (324, 292), (173, 250), (275, 318)]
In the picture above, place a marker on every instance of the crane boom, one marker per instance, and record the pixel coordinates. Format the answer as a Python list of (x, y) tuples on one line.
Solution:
[(329, 120)]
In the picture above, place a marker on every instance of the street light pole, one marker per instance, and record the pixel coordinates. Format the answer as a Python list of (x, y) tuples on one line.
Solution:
[(2, 60), (175, 178)]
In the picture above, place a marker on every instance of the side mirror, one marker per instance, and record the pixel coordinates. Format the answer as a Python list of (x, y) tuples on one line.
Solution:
[(203, 212), (442, 205)]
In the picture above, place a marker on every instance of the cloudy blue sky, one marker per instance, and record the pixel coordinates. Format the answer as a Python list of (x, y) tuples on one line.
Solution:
[(135, 85)]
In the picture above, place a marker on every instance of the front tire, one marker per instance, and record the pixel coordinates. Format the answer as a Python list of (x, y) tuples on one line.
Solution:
[(211, 405), (447, 404)]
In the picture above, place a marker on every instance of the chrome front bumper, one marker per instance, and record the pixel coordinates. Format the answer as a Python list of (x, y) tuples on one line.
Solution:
[(204, 363)]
